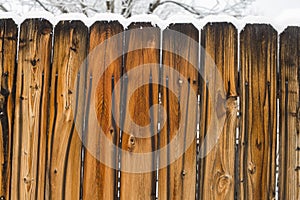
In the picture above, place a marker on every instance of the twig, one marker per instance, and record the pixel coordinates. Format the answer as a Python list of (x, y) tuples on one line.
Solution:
[(127, 6), (110, 6), (42, 5), (182, 5), (3, 8)]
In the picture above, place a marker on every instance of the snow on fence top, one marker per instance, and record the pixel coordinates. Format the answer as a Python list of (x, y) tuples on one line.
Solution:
[(280, 23)]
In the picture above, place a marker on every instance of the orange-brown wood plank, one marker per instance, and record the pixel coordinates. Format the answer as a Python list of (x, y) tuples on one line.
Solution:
[(257, 145), (142, 43), (31, 108), (105, 55), (289, 168), (179, 75), (217, 172), (64, 144), (8, 49)]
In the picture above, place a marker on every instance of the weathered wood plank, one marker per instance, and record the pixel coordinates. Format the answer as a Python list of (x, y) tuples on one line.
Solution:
[(105, 50), (64, 144), (217, 171), (289, 168), (179, 99), (257, 145), (31, 108), (8, 49), (142, 49)]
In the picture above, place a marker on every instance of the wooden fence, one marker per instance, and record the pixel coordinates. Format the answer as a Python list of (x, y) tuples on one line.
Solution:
[(42, 155)]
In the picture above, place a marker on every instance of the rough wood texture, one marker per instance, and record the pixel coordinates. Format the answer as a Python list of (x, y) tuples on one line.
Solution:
[(142, 47), (217, 172), (289, 168), (48, 109), (64, 144), (8, 49), (31, 108), (105, 48), (258, 112), (179, 99)]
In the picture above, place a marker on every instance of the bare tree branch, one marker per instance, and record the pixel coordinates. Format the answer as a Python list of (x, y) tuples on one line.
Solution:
[(201, 11), (3, 8), (127, 8), (153, 6), (182, 5), (84, 9), (110, 6), (42, 5)]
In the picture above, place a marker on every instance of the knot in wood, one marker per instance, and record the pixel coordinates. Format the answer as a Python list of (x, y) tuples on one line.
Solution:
[(131, 143), (34, 62), (251, 168), (223, 183), (231, 104), (183, 173), (111, 131), (28, 180)]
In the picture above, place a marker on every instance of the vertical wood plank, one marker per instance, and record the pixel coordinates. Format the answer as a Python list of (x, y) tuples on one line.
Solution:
[(31, 108), (217, 171), (142, 48), (8, 48), (105, 50), (289, 168), (181, 54), (258, 112), (64, 146)]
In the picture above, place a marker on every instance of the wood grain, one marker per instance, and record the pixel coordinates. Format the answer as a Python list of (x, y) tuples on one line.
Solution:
[(180, 54), (8, 49), (142, 47), (43, 127), (105, 51), (217, 169), (289, 173), (258, 54), (31, 108), (64, 144)]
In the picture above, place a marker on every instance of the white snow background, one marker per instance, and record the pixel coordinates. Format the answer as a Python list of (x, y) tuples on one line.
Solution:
[(278, 13)]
